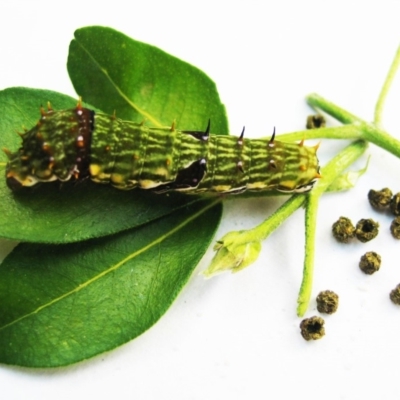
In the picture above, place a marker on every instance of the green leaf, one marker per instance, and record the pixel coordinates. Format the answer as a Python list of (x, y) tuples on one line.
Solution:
[(64, 303), (61, 304), (62, 214), (347, 180), (139, 81), (54, 214)]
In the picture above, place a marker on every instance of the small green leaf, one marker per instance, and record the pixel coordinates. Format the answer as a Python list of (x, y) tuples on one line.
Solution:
[(71, 212), (64, 303), (141, 82), (347, 180)]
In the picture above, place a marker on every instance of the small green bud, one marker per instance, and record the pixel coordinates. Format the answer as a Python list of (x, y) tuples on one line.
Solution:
[(233, 254)]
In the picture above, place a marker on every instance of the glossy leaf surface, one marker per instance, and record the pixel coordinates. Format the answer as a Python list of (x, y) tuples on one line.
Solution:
[(141, 82), (67, 302), (64, 303)]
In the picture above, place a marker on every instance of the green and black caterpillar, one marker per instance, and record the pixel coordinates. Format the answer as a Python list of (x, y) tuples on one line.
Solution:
[(79, 143)]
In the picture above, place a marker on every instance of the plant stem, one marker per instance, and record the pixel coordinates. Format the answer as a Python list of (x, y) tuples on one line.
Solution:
[(385, 88), (334, 168), (381, 138), (308, 271), (365, 130), (342, 115), (262, 231), (337, 132), (371, 132)]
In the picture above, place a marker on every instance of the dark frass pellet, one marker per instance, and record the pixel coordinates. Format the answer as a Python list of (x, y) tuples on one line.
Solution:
[(380, 199), (327, 302), (370, 262), (366, 230), (395, 295), (312, 328), (395, 204), (343, 230), (315, 121), (395, 228)]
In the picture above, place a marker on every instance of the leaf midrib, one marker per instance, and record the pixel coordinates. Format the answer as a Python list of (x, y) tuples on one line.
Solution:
[(145, 114)]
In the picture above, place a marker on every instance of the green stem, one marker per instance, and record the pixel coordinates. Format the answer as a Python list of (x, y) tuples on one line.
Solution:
[(337, 132), (308, 272), (368, 131), (385, 89), (334, 168), (358, 127), (316, 101), (381, 138), (262, 231)]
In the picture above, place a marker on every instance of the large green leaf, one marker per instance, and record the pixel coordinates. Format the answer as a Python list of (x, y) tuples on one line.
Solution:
[(71, 212), (77, 300), (67, 302), (139, 81), (118, 74)]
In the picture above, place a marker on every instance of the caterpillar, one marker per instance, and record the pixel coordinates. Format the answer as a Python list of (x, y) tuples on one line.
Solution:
[(79, 143)]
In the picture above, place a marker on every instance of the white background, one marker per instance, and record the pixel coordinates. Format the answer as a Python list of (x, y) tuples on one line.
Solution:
[(237, 336)]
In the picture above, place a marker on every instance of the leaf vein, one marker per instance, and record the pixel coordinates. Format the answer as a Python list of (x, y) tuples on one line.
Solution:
[(145, 114)]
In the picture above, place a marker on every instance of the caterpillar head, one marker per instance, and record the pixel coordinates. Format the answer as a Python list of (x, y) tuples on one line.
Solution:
[(55, 148), (31, 163)]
